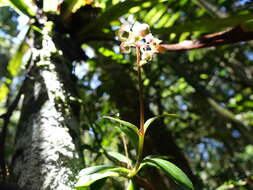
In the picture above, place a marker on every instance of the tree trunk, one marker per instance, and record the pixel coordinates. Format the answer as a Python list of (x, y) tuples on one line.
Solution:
[(46, 156)]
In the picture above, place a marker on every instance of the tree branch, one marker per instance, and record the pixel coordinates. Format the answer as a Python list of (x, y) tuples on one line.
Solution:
[(232, 35)]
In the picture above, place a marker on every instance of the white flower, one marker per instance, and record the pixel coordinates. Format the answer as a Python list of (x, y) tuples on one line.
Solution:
[(149, 38), (140, 29), (138, 36), (124, 32), (125, 47), (153, 42), (147, 55)]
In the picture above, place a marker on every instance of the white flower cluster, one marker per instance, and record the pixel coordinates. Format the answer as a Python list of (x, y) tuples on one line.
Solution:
[(138, 36)]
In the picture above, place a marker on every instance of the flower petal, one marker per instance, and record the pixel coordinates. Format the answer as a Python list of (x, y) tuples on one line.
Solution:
[(125, 47)]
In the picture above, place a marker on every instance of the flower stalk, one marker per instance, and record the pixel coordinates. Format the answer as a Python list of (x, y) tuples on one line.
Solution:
[(141, 94), (139, 37)]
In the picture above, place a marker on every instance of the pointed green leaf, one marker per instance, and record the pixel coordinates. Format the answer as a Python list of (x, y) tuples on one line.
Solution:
[(21, 6), (131, 134), (132, 186), (3, 92), (125, 123), (247, 26), (95, 169), (205, 25), (87, 180), (151, 120), (119, 157), (128, 128), (175, 173), (92, 174), (82, 188), (71, 6), (110, 14), (16, 61)]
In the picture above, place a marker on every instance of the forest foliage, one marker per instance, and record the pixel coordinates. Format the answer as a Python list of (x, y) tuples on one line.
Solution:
[(210, 90)]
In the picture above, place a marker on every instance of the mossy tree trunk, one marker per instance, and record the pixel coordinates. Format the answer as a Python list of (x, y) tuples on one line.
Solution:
[(46, 147)]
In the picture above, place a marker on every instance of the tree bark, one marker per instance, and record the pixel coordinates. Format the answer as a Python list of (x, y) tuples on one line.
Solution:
[(46, 156)]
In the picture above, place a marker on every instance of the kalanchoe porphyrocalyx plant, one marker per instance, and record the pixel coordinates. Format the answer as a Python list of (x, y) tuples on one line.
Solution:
[(138, 36)]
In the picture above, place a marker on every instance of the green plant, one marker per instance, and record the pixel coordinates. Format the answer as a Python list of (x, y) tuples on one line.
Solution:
[(145, 45)]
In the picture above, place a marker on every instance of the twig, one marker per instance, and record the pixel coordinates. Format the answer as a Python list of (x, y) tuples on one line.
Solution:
[(232, 35)]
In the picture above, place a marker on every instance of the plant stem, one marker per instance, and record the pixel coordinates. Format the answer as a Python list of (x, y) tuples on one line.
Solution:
[(141, 102), (141, 98)]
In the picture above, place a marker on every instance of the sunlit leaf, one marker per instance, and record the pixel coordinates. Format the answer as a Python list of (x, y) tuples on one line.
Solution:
[(204, 25), (92, 174), (175, 173), (132, 186), (3, 92), (170, 22), (21, 6), (119, 157), (152, 16), (151, 120), (71, 6), (112, 13), (95, 169), (89, 179), (17, 59), (124, 123)]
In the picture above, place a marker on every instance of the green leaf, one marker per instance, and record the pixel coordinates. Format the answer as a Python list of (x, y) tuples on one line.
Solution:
[(128, 128), (16, 61), (175, 173), (125, 123), (111, 14), (92, 174), (95, 169), (89, 179), (132, 186), (205, 25), (132, 135), (247, 26), (20, 6), (119, 157), (152, 119), (3, 92), (82, 188), (71, 6)]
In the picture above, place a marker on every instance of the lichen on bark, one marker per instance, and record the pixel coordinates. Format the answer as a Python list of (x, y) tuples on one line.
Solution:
[(46, 148)]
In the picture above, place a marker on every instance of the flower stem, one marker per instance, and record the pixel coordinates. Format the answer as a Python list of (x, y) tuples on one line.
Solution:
[(141, 98), (141, 102)]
